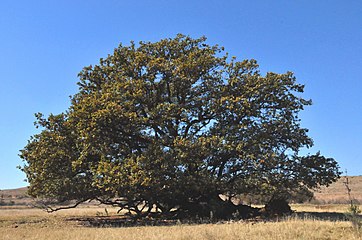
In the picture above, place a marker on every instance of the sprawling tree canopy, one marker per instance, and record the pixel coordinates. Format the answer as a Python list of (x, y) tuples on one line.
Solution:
[(173, 124)]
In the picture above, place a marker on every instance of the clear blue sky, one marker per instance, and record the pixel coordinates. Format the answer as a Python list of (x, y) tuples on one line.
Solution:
[(44, 44)]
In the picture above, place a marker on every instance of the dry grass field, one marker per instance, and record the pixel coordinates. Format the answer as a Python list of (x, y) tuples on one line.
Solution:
[(324, 220), (306, 229), (25, 223)]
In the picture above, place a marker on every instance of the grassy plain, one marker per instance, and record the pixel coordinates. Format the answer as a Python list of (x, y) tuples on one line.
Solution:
[(325, 220), (36, 224)]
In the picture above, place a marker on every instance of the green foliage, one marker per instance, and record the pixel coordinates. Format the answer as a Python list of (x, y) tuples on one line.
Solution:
[(173, 124)]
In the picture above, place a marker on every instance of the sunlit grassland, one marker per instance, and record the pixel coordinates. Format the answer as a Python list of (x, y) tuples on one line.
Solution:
[(37, 224), (320, 208)]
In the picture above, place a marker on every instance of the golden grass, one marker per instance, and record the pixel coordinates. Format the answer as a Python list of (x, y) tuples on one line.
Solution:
[(36, 224), (328, 208), (289, 229)]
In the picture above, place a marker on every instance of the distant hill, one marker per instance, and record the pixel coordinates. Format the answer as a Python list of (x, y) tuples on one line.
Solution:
[(335, 193), (15, 197), (15, 192)]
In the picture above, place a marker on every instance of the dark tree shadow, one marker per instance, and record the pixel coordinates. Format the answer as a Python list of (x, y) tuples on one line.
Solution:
[(122, 221), (125, 221)]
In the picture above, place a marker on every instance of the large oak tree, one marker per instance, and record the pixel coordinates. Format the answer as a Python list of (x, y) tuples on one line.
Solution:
[(172, 125)]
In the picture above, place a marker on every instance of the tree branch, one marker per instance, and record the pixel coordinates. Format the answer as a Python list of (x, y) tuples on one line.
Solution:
[(50, 209)]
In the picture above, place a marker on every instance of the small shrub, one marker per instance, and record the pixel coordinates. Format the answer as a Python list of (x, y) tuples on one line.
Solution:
[(353, 216), (353, 210)]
